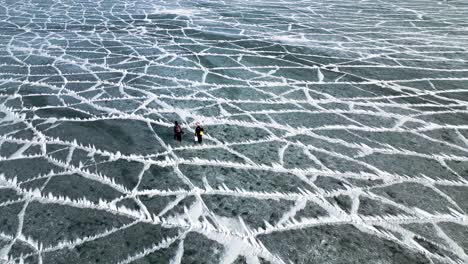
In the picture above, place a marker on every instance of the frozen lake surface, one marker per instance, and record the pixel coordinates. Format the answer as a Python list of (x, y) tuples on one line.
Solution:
[(336, 131)]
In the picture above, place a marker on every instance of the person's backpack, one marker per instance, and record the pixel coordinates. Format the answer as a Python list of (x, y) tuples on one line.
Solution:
[(178, 129)]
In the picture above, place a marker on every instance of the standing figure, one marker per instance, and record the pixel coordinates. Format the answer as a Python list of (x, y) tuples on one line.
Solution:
[(198, 133), (178, 131)]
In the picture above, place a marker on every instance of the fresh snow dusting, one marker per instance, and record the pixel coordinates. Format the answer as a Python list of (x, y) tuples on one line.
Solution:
[(336, 131)]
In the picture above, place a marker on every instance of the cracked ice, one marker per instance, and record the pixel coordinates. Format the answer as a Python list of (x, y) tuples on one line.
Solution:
[(336, 131)]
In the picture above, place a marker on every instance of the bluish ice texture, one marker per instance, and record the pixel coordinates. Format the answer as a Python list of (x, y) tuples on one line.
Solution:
[(336, 131)]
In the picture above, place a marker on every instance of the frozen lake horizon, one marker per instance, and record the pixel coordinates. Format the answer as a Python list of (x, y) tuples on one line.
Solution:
[(335, 131)]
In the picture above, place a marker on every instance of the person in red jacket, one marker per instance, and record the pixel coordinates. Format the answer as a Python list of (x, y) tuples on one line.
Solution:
[(178, 131)]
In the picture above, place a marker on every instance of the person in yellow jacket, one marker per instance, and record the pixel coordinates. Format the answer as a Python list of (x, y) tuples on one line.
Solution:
[(199, 133)]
